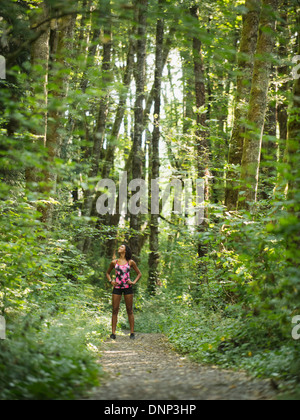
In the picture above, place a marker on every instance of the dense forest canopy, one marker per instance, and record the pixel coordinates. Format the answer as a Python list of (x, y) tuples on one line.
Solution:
[(198, 98)]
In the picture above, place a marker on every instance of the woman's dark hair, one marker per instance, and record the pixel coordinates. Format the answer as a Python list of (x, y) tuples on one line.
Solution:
[(128, 253)]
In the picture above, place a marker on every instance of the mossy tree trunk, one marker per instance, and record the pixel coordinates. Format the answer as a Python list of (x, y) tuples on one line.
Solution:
[(244, 78), (258, 105)]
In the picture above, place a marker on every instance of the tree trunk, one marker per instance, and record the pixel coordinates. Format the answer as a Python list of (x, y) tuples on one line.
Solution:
[(269, 154), (60, 36), (245, 72), (285, 86), (283, 74), (166, 51), (98, 137), (155, 161), (188, 77), (293, 143), (258, 104), (127, 77), (293, 147), (137, 152), (40, 56), (202, 146)]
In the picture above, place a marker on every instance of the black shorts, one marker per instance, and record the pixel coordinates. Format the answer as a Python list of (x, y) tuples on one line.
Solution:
[(128, 291)]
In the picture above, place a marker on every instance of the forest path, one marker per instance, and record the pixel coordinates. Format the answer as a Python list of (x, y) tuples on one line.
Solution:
[(147, 368)]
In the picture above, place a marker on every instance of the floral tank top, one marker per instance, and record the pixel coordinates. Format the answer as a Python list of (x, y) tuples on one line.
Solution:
[(122, 276)]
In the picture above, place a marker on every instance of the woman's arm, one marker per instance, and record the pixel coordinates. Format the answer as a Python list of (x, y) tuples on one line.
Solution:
[(110, 268), (136, 269)]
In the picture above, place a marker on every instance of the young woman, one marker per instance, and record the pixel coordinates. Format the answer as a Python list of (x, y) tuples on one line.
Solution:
[(123, 285)]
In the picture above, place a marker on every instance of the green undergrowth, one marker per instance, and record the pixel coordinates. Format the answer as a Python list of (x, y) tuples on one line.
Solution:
[(51, 352), (229, 337)]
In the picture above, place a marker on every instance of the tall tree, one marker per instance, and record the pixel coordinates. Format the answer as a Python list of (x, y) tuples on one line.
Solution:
[(119, 115), (155, 160), (101, 119), (137, 152), (284, 79), (245, 71), (60, 39), (268, 169), (188, 79), (39, 58), (201, 134), (294, 130), (258, 104)]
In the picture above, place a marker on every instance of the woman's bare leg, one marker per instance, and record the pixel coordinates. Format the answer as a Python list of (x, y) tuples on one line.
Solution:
[(129, 308), (116, 299)]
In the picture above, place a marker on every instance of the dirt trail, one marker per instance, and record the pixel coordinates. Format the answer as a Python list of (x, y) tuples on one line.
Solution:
[(148, 369)]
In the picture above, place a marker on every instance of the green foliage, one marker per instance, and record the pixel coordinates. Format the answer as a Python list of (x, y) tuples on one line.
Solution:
[(54, 331), (227, 337), (50, 358), (55, 319)]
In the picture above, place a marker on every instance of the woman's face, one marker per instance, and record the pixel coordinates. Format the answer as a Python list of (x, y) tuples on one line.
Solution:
[(122, 249)]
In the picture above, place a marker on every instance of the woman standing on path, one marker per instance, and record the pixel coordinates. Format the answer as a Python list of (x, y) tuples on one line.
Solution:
[(123, 284)]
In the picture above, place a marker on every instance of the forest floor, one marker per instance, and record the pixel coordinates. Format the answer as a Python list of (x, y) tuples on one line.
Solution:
[(147, 368)]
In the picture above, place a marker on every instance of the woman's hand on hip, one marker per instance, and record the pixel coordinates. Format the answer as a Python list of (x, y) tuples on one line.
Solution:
[(131, 283)]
